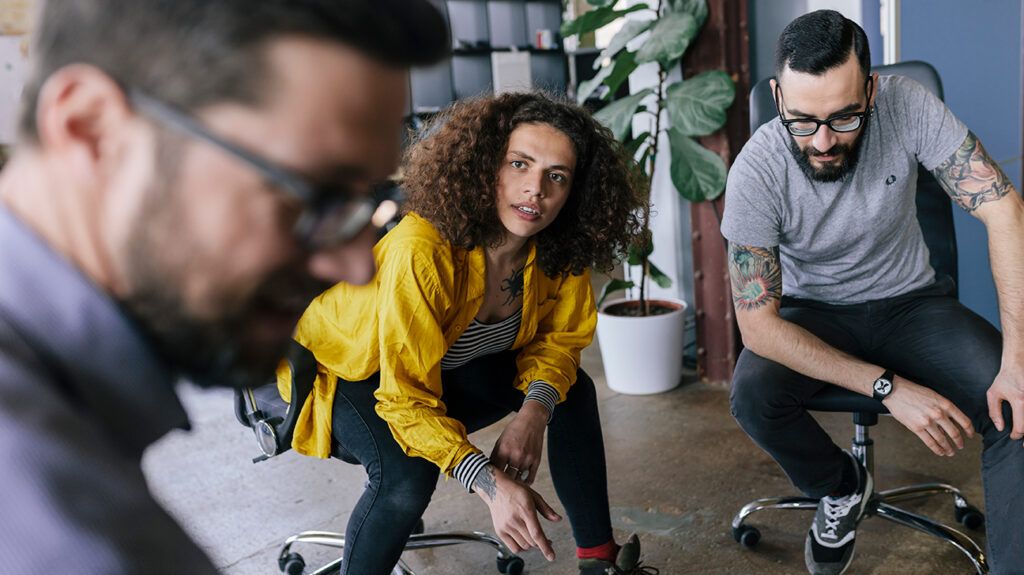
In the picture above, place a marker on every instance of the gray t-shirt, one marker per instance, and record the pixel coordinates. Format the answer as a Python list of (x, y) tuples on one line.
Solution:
[(857, 239)]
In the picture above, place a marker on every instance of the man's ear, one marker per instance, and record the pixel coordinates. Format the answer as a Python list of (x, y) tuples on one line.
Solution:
[(79, 114), (775, 93), (874, 89)]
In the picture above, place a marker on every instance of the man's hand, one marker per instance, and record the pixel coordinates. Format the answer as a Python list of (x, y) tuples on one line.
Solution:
[(519, 449), (514, 509), (929, 415), (1009, 387)]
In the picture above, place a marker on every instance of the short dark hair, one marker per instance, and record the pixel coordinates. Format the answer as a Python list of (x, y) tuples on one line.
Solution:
[(451, 177), (820, 41), (193, 53)]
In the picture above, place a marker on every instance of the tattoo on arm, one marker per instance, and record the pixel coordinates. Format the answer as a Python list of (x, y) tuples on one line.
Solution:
[(971, 177), (513, 284), (485, 482), (756, 276)]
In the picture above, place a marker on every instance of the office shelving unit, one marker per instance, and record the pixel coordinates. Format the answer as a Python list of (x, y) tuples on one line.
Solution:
[(480, 28)]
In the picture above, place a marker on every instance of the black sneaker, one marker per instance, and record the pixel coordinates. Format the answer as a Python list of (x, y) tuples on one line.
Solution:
[(627, 562), (830, 541)]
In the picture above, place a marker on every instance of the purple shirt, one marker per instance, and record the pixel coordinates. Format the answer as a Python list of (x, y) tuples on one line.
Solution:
[(81, 397)]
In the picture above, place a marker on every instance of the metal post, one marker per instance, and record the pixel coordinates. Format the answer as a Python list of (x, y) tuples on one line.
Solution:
[(723, 44)]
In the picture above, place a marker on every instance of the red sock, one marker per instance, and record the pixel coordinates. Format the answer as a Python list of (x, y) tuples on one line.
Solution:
[(606, 552)]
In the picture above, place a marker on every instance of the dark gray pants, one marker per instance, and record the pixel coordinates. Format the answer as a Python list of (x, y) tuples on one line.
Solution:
[(926, 336)]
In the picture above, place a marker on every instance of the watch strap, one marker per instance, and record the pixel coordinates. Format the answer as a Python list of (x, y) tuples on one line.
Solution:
[(888, 375)]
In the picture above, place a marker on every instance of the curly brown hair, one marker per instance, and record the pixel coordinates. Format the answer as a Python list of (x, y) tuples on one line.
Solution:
[(451, 177)]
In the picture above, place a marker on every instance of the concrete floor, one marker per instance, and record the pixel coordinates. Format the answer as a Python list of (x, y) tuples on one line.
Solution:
[(679, 468)]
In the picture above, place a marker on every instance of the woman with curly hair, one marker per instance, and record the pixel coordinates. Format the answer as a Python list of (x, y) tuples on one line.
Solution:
[(481, 306)]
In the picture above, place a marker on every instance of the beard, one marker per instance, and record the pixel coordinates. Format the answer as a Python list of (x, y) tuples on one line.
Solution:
[(848, 154), (222, 346)]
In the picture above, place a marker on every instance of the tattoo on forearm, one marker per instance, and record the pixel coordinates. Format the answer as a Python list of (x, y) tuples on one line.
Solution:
[(513, 284), (971, 177), (485, 482), (756, 276)]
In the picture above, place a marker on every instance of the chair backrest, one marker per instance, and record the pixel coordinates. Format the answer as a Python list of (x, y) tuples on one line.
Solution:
[(934, 208), (271, 418)]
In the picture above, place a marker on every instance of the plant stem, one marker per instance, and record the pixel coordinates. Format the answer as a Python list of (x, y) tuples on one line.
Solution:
[(652, 160)]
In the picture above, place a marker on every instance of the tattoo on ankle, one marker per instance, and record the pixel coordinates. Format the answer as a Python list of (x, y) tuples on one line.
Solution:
[(485, 482), (513, 284)]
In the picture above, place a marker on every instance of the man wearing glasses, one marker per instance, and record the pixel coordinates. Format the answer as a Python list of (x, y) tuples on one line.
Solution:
[(190, 174), (820, 206)]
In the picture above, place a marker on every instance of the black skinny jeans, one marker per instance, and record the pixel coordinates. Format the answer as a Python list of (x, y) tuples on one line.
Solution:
[(477, 394), (926, 336)]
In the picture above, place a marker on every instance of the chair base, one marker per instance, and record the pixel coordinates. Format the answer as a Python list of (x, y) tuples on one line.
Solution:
[(293, 564), (881, 505)]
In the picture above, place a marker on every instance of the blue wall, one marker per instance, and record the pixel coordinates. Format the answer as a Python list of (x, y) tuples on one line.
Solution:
[(976, 47)]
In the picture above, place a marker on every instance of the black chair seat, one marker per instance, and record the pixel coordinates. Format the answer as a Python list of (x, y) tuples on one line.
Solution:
[(838, 399)]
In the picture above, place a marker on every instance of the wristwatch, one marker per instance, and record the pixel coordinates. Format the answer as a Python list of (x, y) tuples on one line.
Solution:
[(883, 385)]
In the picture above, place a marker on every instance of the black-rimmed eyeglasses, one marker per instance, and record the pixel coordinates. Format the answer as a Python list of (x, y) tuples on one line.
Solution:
[(840, 123), (330, 215)]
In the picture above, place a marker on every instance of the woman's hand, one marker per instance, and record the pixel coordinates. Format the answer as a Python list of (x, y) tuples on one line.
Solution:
[(519, 449), (514, 509)]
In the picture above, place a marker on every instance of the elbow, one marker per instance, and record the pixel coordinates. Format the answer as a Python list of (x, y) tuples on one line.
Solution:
[(755, 337)]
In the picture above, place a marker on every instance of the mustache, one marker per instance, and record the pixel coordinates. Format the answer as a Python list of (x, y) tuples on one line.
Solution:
[(833, 151)]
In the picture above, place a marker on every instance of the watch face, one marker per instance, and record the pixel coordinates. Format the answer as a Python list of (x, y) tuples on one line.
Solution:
[(883, 386)]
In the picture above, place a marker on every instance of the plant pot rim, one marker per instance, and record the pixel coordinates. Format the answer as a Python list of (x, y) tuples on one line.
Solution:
[(669, 300)]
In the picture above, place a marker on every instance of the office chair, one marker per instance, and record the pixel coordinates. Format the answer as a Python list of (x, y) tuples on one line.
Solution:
[(272, 420), (935, 215)]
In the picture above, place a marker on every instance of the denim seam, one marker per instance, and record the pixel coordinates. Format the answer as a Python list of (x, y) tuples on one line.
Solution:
[(351, 542)]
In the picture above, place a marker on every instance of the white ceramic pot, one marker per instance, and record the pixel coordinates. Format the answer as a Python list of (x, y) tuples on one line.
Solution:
[(642, 355)]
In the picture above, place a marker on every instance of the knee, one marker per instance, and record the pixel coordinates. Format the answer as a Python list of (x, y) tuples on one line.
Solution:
[(581, 398), (405, 487), (750, 388)]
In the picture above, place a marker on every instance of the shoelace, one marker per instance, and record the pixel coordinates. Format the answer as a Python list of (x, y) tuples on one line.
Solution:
[(836, 511)]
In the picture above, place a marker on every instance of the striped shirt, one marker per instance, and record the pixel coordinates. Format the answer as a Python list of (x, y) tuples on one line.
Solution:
[(478, 340), (482, 339)]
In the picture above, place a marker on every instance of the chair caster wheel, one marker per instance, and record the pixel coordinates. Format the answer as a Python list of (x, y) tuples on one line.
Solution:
[(970, 517), (419, 528), (746, 536), (511, 566), (292, 564)]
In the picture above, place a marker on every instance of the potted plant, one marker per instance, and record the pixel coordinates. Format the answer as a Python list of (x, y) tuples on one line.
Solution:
[(642, 339)]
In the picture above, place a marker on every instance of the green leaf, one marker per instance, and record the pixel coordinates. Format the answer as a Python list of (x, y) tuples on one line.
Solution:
[(697, 105), (669, 39), (618, 116), (631, 29), (697, 172), (595, 19), (601, 3), (612, 76), (633, 145), (659, 277), (640, 249), (624, 65), (611, 287), (696, 8)]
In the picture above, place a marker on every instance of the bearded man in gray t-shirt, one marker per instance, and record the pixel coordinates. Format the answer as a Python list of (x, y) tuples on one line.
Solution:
[(820, 208)]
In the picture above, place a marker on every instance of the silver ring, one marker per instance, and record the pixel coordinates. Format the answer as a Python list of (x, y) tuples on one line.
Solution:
[(516, 469)]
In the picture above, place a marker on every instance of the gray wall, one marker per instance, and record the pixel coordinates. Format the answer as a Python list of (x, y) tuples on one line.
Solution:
[(976, 47), (767, 18)]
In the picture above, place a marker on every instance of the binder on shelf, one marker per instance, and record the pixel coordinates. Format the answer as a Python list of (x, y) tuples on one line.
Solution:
[(511, 71)]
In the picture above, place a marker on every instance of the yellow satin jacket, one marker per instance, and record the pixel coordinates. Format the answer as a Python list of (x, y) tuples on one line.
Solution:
[(401, 324)]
